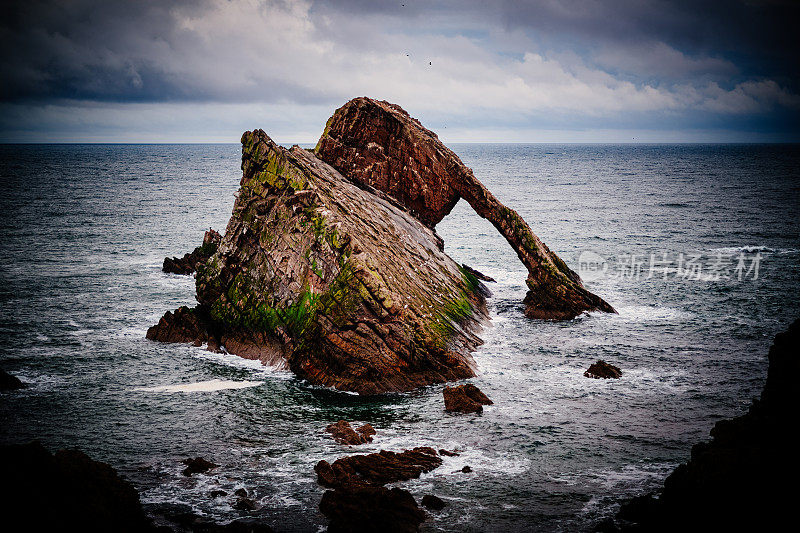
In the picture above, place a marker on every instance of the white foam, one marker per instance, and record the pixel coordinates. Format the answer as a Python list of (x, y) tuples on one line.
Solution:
[(743, 249), (211, 385), (235, 361), (646, 313)]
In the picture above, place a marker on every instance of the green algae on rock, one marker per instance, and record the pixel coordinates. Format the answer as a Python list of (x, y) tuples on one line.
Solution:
[(338, 284)]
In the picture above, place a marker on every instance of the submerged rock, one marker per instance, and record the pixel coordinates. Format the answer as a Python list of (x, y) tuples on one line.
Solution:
[(377, 468), (380, 147), (465, 399), (9, 382), (188, 263), (604, 370), (343, 433), (197, 465), (369, 508), (341, 286), (65, 491), (741, 480)]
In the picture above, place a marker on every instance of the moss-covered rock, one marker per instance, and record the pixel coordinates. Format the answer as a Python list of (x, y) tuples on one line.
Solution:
[(342, 286)]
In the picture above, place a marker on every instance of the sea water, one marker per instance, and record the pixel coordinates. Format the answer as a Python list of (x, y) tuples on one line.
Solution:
[(696, 246)]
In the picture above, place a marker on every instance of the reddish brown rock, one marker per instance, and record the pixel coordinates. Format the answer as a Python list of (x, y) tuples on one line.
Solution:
[(377, 468), (339, 285), (604, 370), (380, 147), (188, 263), (343, 433), (465, 399), (369, 508)]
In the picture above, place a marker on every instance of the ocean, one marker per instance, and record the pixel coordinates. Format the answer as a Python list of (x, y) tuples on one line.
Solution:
[(696, 246)]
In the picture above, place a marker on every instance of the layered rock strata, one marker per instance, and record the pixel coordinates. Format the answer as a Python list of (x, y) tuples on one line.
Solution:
[(188, 263), (380, 147), (343, 287)]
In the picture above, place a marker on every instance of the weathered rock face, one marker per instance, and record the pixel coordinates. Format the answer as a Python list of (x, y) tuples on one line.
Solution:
[(188, 263), (343, 433), (342, 286), (742, 480), (377, 468), (465, 399), (371, 508), (379, 146)]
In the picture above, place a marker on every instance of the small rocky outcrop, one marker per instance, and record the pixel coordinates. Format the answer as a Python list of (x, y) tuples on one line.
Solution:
[(338, 284), (465, 399), (377, 468), (188, 263), (603, 370), (429, 501), (10, 382), (197, 465), (343, 433), (741, 480), (65, 491), (369, 508), (380, 147)]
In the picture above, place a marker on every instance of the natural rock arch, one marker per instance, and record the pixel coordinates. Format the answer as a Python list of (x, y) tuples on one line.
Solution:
[(377, 145)]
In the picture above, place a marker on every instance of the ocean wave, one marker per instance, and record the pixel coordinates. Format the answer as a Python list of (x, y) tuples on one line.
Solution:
[(729, 250), (211, 385), (254, 365)]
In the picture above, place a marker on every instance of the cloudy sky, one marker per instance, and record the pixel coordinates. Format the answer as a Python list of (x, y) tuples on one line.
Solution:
[(493, 71)]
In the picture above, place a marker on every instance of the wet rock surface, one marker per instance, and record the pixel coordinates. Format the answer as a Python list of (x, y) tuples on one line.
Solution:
[(343, 433), (739, 480), (66, 491), (188, 263), (371, 508), (377, 468), (339, 285), (435, 503), (465, 399), (197, 465), (359, 502), (380, 147), (603, 370), (10, 382)]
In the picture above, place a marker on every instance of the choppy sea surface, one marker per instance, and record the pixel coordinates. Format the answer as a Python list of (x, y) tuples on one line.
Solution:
[(696, 246)]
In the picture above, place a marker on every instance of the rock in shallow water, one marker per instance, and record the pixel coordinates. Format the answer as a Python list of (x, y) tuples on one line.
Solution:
[(197, 465), (9, 382), (371, 508), (465, 399), (604, 370), (343, 433), (377, 468)]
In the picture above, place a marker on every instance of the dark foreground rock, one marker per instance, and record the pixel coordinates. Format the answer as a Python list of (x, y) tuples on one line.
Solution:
[(377, 468), (369, 509), (429, 501), (188, 263), (343, 433), (465, 399), (197, 465), (341, 286), (9, 382), (603, 370), (65, 491), (743, 479), (380, 147)]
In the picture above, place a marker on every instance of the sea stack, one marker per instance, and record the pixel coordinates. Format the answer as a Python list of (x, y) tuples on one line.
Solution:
[(342, 286), (330, 265)]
